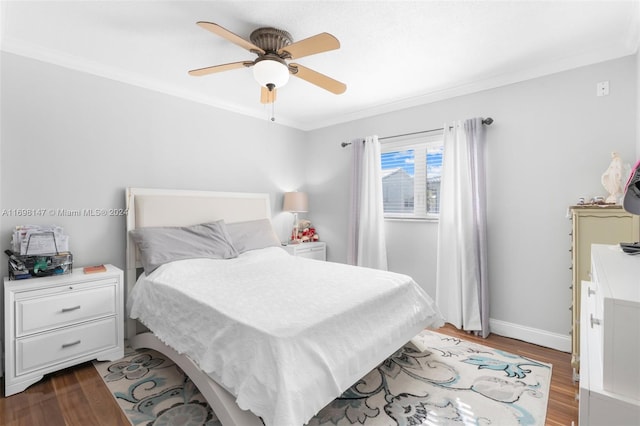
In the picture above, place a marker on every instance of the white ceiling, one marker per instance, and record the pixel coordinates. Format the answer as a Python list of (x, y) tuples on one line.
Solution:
[(394, 54)]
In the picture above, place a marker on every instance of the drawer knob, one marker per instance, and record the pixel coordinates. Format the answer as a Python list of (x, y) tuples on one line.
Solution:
[(590, 291), (66, 345), (594, 321), (73, 308)]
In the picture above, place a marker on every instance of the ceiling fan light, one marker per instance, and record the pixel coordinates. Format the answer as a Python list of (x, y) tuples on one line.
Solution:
[(269, 72)]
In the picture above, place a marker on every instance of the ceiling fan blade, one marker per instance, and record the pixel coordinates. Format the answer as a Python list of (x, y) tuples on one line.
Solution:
[(319, 43), (219, 68), (233, 38), (320, 80), (267, 96)]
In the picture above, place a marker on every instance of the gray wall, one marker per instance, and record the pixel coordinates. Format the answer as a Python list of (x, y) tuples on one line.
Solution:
[(71, 140), (550, 143), (638, 105)]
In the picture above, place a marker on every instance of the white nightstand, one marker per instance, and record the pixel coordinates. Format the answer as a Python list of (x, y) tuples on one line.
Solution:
[(55, 322), (316, 250)]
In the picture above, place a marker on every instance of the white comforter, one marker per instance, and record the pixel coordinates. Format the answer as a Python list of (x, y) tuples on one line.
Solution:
[(284, 334)]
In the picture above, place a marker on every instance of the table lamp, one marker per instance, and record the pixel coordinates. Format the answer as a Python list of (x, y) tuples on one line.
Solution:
[(295, 202)]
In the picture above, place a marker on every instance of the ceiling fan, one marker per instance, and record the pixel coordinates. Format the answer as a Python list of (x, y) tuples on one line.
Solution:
[(275, 48)]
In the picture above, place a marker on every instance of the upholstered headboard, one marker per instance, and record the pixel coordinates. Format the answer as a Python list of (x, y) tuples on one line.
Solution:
[(170, 207)]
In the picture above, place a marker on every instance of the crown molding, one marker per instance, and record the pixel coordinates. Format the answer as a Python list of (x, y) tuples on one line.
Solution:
[(565, 64), (55, 57), (62, 59)]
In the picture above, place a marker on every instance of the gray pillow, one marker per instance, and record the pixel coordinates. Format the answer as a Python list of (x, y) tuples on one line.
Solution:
[(163, 244), (252, 235)]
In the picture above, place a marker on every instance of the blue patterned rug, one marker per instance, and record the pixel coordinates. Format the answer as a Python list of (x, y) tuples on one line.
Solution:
[(432, 380)]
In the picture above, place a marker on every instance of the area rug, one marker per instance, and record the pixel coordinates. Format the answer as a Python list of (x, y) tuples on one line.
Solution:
[(432, 380)]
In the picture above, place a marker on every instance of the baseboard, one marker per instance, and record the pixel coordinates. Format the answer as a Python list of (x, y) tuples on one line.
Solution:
[(536, 336)]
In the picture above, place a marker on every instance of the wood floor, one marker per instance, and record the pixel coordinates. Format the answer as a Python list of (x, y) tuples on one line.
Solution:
[(78, 397)]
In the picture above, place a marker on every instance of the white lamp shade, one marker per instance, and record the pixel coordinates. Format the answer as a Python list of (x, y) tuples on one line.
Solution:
[(269, 71), (296, 202)]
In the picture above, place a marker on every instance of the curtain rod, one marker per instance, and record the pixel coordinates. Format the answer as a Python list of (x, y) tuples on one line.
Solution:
[(486, 121)]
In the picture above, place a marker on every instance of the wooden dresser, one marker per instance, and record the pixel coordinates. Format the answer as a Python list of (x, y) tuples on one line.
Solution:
[(609, 224)]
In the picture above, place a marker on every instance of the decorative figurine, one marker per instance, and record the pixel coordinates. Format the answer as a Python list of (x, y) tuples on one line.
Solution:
[(612, 179)]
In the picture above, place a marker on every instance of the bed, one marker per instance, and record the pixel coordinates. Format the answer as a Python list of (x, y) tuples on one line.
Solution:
[(267, 337)]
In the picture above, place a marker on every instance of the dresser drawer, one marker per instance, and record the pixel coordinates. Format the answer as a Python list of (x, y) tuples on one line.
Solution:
[(35, 314), (47, 349)]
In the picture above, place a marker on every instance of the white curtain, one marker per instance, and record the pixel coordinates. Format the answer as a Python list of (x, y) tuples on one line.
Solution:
[(366, 244), (461, 286)]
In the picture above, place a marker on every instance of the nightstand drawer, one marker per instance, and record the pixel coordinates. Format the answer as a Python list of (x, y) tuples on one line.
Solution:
[(315, 250), (317, 253), (48, 312), (47, 349)]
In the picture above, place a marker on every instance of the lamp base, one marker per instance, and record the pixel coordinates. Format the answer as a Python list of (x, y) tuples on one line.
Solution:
[(294, 232)]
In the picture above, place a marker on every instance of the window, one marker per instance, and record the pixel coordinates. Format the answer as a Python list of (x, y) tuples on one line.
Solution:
[(411, 169)]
